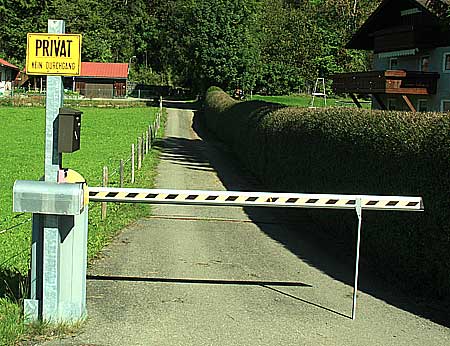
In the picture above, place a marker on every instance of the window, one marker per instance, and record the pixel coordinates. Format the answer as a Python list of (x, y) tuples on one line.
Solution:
[(425, 64), (422, 105), (446, 62), (393, 64), (445, 105), (392, 104)]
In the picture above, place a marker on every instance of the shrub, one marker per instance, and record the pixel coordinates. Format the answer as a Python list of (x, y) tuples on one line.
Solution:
[(343, 150)]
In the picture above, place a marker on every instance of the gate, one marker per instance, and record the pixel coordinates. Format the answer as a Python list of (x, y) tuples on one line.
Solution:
[(263, 199)]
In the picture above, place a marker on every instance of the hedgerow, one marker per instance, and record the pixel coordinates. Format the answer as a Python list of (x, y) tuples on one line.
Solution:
[(343, 150)]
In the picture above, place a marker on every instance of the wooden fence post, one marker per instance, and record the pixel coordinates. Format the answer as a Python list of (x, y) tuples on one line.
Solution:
[(121, 173), (143, 147), (132, 163), (105, 183), (149, 137), (139, 153)]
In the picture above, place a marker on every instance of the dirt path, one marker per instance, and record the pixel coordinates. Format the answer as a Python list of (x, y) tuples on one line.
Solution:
[(161, 260)]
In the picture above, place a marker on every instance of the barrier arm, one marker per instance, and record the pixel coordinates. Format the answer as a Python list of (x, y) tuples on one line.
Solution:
[(264, 199)]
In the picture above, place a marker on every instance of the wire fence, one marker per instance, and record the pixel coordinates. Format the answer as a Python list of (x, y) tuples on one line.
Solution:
[(137, 155), (138, 152)]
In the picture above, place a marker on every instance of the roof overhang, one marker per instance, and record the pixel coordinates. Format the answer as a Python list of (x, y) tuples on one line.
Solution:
[(388, 12), (397, 53)]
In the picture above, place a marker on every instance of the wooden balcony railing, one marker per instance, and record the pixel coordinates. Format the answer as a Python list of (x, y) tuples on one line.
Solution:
[(386, 82)]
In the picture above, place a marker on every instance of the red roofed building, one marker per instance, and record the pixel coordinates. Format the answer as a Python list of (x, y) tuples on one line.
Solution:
[(8, 73), (100, 80)]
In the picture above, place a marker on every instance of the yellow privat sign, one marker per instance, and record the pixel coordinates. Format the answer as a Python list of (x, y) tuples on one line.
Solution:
[(54, 54)]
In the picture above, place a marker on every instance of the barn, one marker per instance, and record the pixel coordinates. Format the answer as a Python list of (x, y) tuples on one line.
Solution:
[(100, 80), (8, 73)]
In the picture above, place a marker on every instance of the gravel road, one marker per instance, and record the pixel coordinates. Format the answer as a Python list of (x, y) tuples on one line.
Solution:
[(232, 276)]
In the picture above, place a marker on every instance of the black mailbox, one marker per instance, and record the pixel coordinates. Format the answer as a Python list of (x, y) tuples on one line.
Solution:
[(69, 130)]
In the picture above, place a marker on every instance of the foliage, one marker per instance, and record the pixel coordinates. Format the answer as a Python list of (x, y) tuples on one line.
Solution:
[(11, 325), (276, 46), (343, 150)]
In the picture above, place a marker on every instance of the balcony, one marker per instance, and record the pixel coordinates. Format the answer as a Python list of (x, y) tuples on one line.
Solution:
[(386, 82), (399, 82)]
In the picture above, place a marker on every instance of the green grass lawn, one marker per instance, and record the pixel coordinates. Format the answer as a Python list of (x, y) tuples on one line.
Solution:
[(303, 100), (106, 138)]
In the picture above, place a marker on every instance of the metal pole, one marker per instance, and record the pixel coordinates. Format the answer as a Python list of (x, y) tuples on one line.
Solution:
[(51, 274), (58, 264), (358, 208)]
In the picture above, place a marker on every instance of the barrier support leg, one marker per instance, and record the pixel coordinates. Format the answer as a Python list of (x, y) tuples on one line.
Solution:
[(358, 208)]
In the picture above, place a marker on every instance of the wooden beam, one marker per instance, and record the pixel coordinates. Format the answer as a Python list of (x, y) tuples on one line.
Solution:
[(407, 91), (409, 103), (380, 102), (355, 100)]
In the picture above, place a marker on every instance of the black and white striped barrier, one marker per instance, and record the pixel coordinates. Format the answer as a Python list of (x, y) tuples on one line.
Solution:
[(263, 199), (256, 199)]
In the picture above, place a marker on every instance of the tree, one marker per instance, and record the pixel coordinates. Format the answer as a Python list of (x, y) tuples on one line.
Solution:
[(214, 42)]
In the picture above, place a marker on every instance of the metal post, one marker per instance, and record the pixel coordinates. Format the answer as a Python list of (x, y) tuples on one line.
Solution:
[(358, 207), (51, 237), (58, 263)]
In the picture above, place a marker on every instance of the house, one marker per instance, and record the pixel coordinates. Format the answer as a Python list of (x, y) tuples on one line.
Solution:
[(96, 80), (8, 73), (410, 41), (100, 80)]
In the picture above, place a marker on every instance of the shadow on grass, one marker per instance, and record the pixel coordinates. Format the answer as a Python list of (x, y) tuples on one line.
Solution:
[(12, 284), (304, 237)]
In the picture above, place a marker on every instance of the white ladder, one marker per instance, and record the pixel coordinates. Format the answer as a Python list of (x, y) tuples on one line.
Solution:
[(320, 82)]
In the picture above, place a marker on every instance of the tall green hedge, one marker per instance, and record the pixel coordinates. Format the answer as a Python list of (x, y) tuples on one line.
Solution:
[(343, 150)]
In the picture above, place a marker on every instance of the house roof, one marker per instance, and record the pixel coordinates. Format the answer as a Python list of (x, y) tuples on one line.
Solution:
[(104, 70), (7, 64), (437, 7), (388, 12)]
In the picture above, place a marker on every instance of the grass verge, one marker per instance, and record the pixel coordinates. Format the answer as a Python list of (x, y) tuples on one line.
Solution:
[(303, 100), (106, 138)]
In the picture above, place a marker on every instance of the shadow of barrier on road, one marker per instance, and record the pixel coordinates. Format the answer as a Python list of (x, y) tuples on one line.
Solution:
[(270, 285), (300, 226)]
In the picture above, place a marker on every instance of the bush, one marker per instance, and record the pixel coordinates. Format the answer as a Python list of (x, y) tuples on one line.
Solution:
[(348, 151)]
